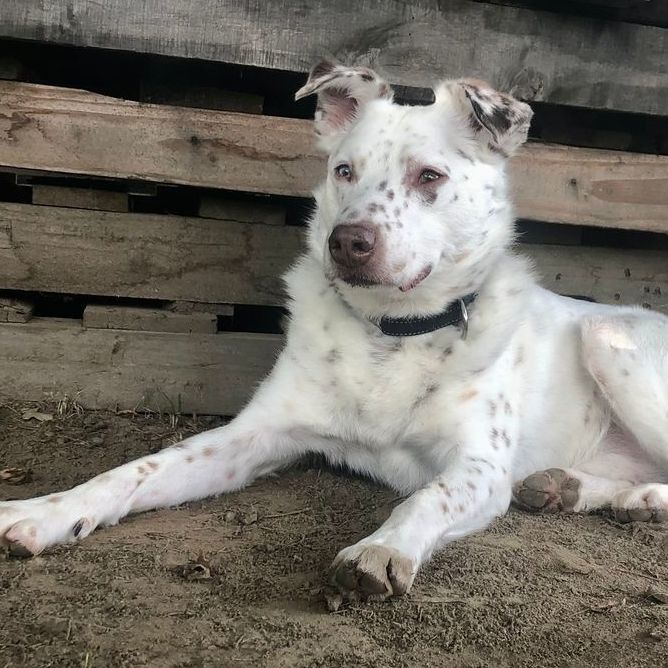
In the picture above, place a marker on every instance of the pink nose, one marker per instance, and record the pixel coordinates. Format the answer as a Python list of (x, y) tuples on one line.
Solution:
[(352, 246)]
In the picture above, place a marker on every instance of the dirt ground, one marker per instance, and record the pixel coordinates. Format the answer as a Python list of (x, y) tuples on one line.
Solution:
[(238, 580)]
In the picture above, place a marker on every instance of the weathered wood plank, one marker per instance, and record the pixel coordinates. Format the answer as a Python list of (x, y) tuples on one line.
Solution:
[(142, 319), (66, 130), (542, 55), (143, 255), (73, 131), (562, 184), (79, 198), (648, 12), (15, 310), (607, 275), (202, 373), (227, 208)]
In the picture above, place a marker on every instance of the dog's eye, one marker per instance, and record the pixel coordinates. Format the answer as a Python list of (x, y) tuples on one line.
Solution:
[(429, 175), (343, 171)]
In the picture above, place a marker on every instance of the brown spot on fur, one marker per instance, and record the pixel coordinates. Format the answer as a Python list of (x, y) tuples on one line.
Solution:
[(470, 485), (153, 465), (190, 459), (390, 194), (141, 469), (444, 507), (382, 185), (54, 499), (207, 452), (468, 395), (461, 508), (230, 474)]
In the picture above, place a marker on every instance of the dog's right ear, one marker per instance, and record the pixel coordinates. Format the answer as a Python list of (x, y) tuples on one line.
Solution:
[(342, 93)]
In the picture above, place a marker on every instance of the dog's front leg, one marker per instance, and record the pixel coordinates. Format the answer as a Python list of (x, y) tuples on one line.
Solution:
[(463, 499), (263, 437)]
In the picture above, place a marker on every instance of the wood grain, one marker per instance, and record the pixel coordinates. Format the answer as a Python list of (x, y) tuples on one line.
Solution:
[(607, 275), (202, 373), (142, 319), (79, 198), (67, 131), (143, 255), (540, 55)]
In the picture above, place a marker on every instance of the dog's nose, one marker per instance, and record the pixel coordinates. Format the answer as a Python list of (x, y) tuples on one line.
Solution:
[(352, 245)]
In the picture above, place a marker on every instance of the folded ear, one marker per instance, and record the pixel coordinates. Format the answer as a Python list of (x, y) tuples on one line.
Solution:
[(342, 93), (498, 121)]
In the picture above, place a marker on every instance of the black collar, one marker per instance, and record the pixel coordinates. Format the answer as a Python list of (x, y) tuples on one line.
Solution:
[(454, 314)]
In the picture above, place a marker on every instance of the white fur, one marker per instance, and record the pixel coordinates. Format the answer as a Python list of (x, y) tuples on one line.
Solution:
[(540, 381)]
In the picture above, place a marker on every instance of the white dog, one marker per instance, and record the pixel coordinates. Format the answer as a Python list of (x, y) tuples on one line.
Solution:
[(420, 352)]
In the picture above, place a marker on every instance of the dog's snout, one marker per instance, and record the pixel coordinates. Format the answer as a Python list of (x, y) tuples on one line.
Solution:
[(352, 246)]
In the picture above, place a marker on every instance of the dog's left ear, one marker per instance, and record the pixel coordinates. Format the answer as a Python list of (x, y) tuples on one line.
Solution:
[(498, 121), (342, 94)]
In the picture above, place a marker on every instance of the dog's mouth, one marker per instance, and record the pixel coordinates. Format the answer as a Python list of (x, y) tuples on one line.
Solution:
[(417, 280), (362, 281)]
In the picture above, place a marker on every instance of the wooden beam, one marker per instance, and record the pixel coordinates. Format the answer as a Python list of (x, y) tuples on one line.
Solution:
[(15, 310), (66, 131), (580, 186), (143, 255), (202, 373), (607, 275), (142, 319), (79, 198), (73, 131), (541, 55)]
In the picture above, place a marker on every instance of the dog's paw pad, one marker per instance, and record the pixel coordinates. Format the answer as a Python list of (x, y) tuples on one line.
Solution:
[(372, 573), (548, 491)]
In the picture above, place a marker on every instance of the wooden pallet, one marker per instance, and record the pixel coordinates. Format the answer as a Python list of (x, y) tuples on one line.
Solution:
[(155, 288)]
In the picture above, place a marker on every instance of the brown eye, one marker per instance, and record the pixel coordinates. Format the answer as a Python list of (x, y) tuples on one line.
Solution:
[(343, 171), (428, 176)]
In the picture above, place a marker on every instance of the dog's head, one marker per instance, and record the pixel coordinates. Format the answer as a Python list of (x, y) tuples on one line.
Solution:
[(414, 206)]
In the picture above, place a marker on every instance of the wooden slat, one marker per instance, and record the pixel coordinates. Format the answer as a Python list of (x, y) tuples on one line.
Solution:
[(73, 131), (580, 186), (607, 275), (143, 255), (79, 198), (142, 319), (15, 310), (227, 208), (544, 55), (202, 373), (68, 131), (648, 12)]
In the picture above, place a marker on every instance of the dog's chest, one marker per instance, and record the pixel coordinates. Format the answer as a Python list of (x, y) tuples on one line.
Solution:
[(385, 389)]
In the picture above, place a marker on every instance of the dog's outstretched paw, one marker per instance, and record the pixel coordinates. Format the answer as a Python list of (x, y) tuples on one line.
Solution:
[(643, 503), (549, 491), (372, 572)]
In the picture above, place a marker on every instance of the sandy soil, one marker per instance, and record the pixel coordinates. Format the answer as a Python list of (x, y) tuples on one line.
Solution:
[(238, 580)]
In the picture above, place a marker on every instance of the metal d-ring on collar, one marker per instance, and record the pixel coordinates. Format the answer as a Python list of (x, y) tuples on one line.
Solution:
[(456, 313)]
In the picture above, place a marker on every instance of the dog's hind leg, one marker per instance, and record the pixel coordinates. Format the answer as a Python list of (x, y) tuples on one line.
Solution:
[(627, 355), (262, 438)]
